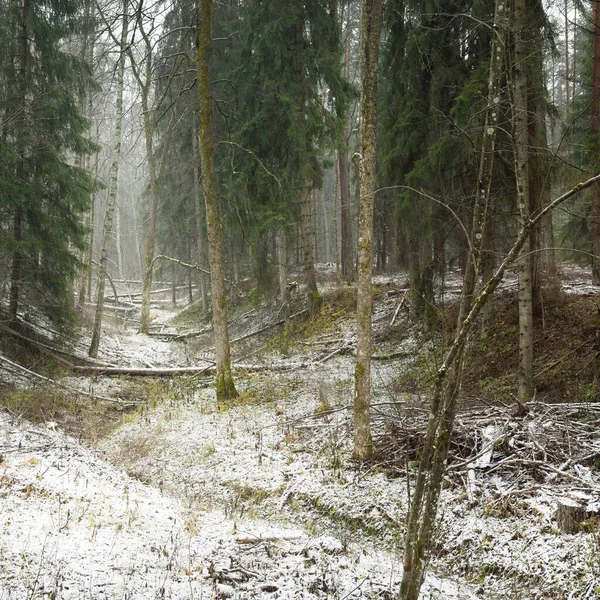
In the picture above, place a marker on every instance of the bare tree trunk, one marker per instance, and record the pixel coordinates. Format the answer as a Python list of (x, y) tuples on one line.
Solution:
[(200, 237), (567, 75), (90, 254), (155, 175), (16, 266), (151, 230), (336, 227), (118, 242), (347, 251), (370, 21), (595, 130), (225, 385), (282, 264), (488, 265), (112, 190), (308, 261), (521, 151), (425, 496)]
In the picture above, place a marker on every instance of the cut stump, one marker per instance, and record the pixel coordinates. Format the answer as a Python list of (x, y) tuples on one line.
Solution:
[(569, 515)]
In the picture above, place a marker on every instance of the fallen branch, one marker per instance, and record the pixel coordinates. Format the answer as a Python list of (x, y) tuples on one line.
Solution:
[(270, 326), (274, 538), (400, 305), (160, 291), (53, 382), (392, 355), (52, 351)]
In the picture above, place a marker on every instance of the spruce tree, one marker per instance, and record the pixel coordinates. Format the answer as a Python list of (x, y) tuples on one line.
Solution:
[(43, 195)]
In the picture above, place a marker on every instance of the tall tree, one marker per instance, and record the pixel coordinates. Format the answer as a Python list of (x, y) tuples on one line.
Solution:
[(42, 194), (143, 71), (225, 385), (370, 22), (425, 495), (347, 246), (595, 132), (112, 186), (522, 172)]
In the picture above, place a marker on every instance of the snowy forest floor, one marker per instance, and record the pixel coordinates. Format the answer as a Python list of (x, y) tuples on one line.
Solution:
[(145, 488)]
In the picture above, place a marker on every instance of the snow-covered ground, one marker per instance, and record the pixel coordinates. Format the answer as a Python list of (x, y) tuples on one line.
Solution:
[(260, 499), (72, 526)]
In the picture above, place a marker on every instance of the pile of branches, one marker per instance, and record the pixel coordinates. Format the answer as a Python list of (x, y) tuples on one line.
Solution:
[(557, 443)]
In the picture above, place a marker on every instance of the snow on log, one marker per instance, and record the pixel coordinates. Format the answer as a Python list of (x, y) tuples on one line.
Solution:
[(171, 371)]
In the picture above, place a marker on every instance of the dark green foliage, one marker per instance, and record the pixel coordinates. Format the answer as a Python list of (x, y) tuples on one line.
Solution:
[(42, 132), (271, 64)]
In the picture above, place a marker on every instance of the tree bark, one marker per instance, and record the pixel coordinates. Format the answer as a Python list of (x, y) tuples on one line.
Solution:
[(282, 267), (306, 224), (16, 266), (347, 250), (308, 261), (200, 218), (371, 17), (567, 75), (521, 152), (151, 230), (595, 130), (425, 496), (112, 190), (225, 385), (155, 175)]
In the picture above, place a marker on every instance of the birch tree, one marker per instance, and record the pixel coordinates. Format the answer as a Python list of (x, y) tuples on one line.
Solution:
[(112, 188)]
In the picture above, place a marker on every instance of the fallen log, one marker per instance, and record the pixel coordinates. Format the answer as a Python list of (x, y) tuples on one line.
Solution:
[(172, 371), (139, 294), (144, 371)]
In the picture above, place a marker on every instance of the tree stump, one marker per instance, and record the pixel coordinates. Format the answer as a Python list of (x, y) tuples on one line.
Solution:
[(569, 515)]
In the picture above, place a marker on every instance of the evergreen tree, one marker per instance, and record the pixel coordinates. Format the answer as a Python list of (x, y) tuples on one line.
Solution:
[(43, 195), (289, 54)]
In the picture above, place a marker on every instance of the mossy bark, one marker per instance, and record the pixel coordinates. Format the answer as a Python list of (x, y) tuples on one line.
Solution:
[(200, 231), (225, 385), (371, 17)]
